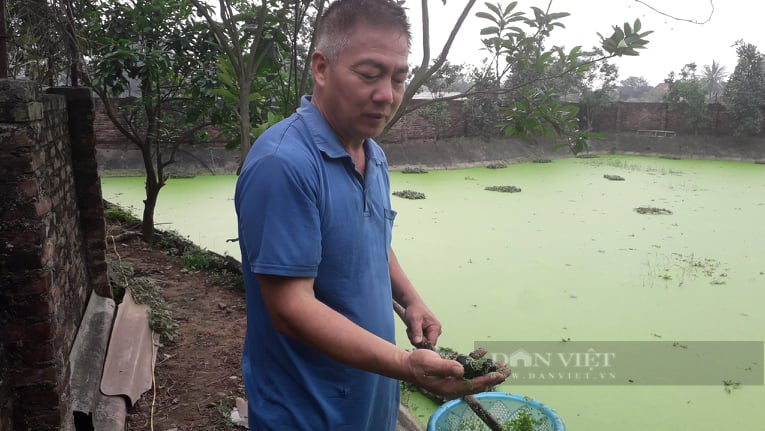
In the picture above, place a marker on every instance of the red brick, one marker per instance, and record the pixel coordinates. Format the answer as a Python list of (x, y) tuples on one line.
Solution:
[(41, 284), (38, 353), (39, 418), (36, 376), (35, 306), (19, 331), (24, 260), (42, 206)]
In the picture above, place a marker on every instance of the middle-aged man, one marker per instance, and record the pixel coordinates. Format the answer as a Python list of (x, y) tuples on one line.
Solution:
[(315, 221)]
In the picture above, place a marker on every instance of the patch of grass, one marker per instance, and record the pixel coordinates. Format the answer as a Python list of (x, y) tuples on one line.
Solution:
[(228, 279), (613, 177), (121, 216), (541, 161), (635, 167), (414, 171), (653, 211), (503, 189), (224, 408), (196, 259), (409, 194), (172, 242), (118, 273), (146, 291), (730, 386), (681, 267)]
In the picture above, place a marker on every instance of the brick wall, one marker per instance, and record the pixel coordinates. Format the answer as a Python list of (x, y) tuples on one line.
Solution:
[(50, 196), (116, 154), (627, 117)]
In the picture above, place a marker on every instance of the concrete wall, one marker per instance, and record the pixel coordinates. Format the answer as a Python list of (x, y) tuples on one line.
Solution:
[(52, 248)]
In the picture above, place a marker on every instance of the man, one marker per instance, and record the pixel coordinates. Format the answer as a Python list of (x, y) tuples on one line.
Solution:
[(313, 204)]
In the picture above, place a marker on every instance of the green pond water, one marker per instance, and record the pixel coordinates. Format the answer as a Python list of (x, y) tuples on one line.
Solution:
[(566, 258)]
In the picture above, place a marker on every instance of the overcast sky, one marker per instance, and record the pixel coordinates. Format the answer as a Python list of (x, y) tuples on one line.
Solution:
[(673, 44)]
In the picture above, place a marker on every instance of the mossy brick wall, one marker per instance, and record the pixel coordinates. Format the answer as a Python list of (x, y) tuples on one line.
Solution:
[(52, 250)]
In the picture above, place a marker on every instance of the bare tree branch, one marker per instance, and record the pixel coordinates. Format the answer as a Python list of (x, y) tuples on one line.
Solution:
[(692, 21)]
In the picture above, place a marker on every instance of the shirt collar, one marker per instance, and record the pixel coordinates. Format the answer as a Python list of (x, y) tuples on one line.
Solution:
[(325, 138)]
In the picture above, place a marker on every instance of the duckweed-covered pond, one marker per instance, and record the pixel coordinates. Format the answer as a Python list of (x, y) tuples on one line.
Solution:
[(568, 257)]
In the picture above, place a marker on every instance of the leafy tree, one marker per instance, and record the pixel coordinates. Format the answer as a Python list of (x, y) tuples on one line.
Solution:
[(597, 86), (298, 19), (437, 115), (36, 31), (633, 88), (744, 95), (688, 96), (426, 69), (537, 73), (157, 47), (713, 78), (250, 39), (443, 79)]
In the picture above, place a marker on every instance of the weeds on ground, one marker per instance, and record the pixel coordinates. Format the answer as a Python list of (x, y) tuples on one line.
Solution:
[(146, 291), (120, 215), (195, 259), (224, 408)]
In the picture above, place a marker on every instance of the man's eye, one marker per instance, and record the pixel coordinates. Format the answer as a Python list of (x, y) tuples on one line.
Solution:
[(368, 76)]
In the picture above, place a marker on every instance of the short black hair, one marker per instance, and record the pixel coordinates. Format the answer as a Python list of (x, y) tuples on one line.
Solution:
[(342, 16)]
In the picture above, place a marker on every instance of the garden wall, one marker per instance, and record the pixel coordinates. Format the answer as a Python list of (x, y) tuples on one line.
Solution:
[(52, 248)]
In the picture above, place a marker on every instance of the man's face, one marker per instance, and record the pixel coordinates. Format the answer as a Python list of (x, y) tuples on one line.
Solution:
[(361, 91)]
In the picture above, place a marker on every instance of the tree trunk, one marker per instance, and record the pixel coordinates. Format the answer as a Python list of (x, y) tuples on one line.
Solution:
[(147, 226), (245, 122)]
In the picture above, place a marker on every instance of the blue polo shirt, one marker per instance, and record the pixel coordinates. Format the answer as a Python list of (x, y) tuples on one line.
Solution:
[(304, 211)]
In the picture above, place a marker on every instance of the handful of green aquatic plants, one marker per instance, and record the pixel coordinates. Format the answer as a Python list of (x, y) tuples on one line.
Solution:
[(522, 420), (475, 363)]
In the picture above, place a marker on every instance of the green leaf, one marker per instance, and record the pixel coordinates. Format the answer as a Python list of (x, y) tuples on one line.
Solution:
[(485, 15), (489, 30), (494, 9), (509, 8)]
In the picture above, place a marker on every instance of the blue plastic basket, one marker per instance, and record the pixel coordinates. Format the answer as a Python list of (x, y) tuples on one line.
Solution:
[(456, 415)]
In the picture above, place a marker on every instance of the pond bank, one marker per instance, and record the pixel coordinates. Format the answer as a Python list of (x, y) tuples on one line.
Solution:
[(471, 152), (456, 153)]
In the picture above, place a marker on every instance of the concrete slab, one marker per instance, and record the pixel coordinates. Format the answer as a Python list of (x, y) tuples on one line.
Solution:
[(91, 408), (86, 359)]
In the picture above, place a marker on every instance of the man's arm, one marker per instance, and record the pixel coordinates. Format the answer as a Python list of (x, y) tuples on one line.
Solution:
[(295, 312), (421, 323)]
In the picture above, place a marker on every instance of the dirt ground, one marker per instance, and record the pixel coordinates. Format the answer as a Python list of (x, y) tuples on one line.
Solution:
[(198, 374)]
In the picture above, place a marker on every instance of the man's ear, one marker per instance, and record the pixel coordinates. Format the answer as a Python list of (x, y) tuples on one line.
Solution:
[(319, 67)]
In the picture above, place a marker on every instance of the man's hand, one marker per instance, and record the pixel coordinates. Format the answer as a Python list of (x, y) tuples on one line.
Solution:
[(421, 325), (444, 377)]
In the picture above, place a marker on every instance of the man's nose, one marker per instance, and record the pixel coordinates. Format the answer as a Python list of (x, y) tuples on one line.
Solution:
[(384, 93)]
